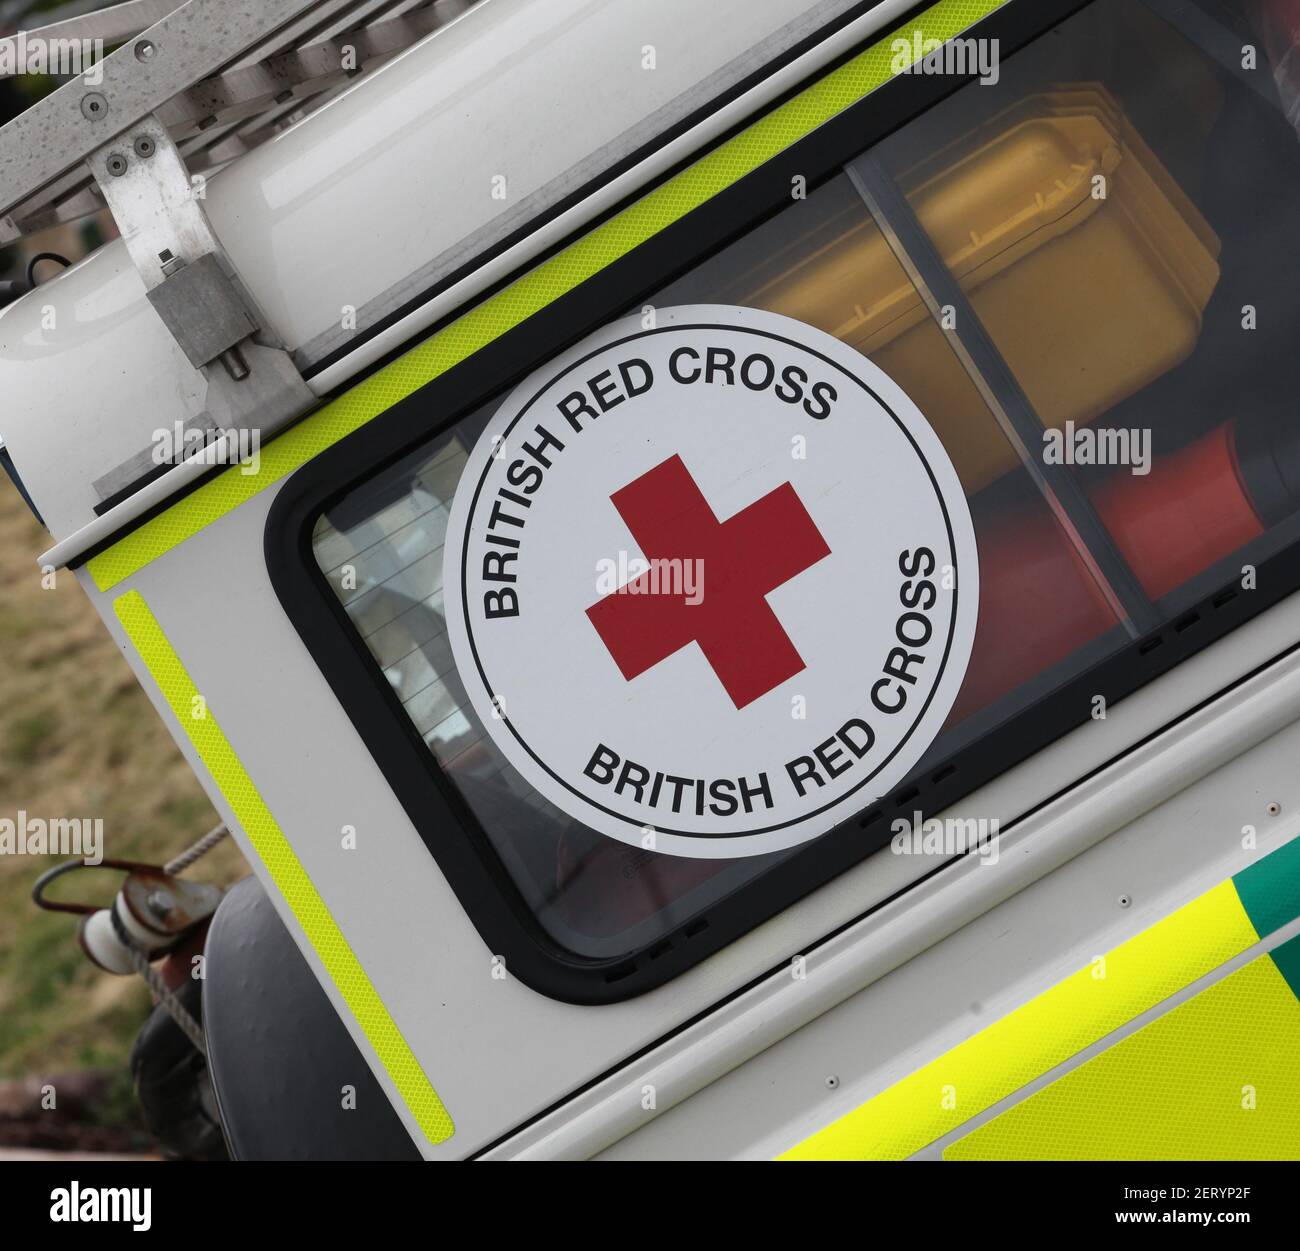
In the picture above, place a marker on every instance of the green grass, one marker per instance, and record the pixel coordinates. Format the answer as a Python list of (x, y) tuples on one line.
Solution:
[(78, 737), (27, 736)]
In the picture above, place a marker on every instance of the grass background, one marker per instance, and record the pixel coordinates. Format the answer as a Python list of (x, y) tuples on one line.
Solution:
[(78, 738)]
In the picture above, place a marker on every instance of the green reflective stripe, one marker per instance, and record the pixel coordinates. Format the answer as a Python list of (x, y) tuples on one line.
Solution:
[(1287, 959), (1045, 1031), (286, 870), (1075, 1013), (700, 182), (1270, 889)]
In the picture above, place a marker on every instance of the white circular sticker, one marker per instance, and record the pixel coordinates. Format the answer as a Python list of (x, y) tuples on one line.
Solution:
[(711, 583)]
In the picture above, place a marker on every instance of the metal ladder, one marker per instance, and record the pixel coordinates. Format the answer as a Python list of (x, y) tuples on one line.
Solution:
[(189, 87)]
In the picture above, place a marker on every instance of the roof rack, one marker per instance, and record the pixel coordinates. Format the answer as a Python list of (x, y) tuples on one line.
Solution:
[(219, 76), (190, 87)]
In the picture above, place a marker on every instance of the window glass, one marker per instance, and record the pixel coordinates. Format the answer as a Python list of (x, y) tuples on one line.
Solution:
[(1135, 269), (1084, 275)]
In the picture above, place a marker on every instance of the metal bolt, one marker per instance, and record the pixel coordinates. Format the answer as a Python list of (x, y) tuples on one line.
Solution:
[(145, 50), (832, 1081), (116, 164), (236, 365), (1125, 901), (159, 902), (93, 106), (145, 147)]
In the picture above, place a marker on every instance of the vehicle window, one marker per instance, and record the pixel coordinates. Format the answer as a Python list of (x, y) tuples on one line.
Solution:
[(1084, 275)]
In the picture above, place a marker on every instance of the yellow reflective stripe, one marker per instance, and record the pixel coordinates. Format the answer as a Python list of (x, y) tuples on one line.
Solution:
[(1042, 1033), (713, 173), (286, 870), (1216, 1078)]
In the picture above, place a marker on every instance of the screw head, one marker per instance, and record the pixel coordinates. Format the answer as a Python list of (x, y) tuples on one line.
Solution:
[(94, 106), (116, 164), (159, 902), (145, 147), (1125, 901), (832, 1082), (1273, 809), (145, 50)]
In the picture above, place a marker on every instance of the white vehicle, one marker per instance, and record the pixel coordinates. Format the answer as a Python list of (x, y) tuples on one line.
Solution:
[(731, 567)]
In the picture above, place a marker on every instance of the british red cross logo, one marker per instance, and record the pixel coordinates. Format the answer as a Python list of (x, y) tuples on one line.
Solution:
[(743, 560), (748, 578)]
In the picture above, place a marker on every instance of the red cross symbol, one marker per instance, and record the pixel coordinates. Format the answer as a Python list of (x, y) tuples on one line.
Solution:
[(742, 559)]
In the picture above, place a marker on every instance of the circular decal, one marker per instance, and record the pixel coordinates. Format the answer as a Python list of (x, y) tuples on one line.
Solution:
[(711, 582)]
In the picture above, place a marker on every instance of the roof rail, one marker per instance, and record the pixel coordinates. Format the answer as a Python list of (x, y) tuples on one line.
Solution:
[(221, 76)]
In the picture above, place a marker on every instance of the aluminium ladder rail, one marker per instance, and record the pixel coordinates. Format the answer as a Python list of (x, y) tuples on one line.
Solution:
[(221, 76)]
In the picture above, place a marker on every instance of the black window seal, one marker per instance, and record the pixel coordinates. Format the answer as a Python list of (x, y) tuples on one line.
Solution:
[(491, 899)]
